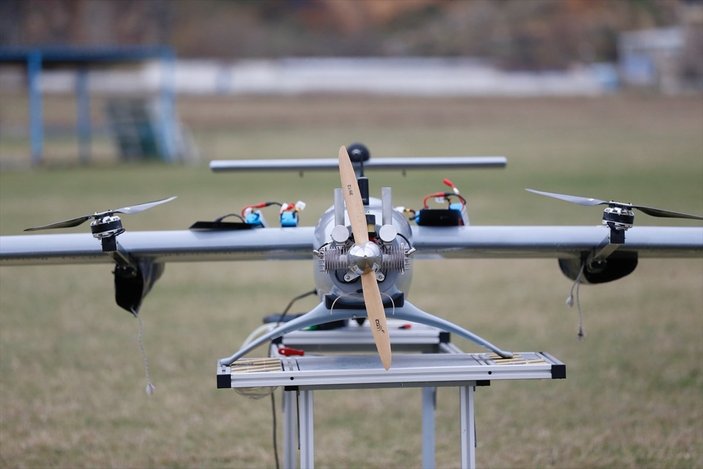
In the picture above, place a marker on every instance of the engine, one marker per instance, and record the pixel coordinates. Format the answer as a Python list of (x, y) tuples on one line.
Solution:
[(340, 262)]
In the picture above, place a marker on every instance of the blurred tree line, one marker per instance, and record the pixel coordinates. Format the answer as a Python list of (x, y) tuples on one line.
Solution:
[(513, 34)]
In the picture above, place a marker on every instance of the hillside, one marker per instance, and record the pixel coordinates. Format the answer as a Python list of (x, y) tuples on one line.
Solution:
[(526, 34)]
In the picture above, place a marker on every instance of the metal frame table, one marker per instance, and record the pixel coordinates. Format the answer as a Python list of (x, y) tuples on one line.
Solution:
[(444, 365)]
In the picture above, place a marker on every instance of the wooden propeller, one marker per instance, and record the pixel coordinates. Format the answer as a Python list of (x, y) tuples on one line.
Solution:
[(372, 294)]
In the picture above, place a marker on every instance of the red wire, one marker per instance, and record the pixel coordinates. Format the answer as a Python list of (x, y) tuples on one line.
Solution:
[(446, 196), (436, 194), (259, 205), (290, 207)]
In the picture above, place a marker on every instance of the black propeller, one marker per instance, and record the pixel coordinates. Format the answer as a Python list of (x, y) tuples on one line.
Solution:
[(589, 201), (99, 215)]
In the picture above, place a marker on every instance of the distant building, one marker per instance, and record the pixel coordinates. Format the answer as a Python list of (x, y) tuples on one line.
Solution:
[(669, 60), (650, 58)]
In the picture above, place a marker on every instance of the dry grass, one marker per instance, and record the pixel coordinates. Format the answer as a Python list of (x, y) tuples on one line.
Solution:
[(71, 382)]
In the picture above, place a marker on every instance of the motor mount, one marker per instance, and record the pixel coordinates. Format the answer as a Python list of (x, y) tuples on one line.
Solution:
[(107, 229), (619, 218)]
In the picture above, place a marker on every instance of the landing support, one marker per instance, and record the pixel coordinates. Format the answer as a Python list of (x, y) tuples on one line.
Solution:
[(321, 315)]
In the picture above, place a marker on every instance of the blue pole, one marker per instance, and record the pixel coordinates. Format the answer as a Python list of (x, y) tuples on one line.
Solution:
[(83, 115), (36, 125), (167, 106)]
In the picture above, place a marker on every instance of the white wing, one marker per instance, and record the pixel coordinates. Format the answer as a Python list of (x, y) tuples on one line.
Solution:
[(552, 241), (161, 246)]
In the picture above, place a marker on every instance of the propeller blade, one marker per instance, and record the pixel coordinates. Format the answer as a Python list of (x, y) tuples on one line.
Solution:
[(352, 198), (77, 221), (651, 211), (658, 212), (587, 201), (62, 224), (142, 207), (377, 317), (369, 286)]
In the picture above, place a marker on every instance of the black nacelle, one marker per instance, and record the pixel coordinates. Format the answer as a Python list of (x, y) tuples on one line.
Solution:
[(616, 266), (132, 284)]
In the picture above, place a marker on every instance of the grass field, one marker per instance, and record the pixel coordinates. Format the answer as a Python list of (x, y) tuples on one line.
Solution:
[(71, 377)]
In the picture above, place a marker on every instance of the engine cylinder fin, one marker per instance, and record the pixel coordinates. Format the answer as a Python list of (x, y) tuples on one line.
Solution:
[(394, 258), (334, 258)]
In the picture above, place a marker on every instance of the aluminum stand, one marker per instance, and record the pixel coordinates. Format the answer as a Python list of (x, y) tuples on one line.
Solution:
[(447, 366)]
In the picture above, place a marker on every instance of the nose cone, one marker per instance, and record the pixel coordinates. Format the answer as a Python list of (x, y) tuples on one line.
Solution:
[(365, 257)]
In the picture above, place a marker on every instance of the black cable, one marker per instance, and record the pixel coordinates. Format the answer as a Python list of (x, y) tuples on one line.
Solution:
[(406, 239), (274, 435), (275, 425), (219, 220), (290, 304)]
